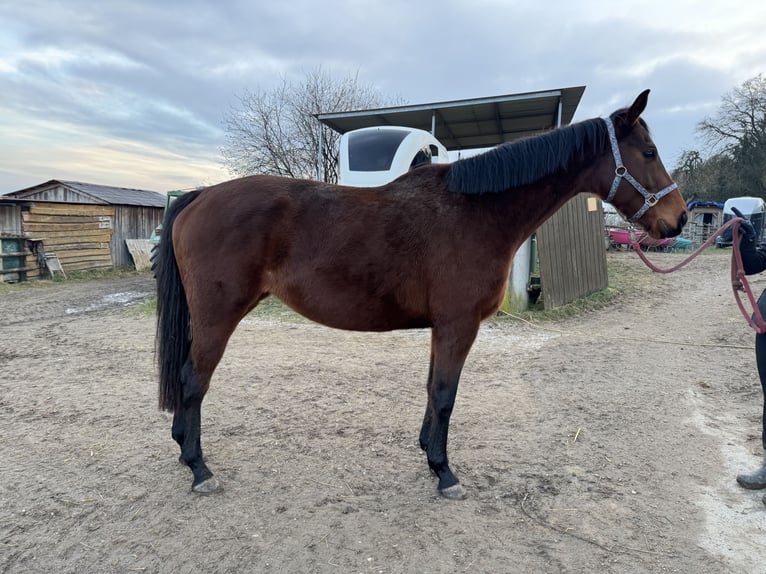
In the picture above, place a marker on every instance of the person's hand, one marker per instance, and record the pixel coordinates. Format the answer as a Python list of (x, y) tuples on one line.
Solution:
[(746, 229)]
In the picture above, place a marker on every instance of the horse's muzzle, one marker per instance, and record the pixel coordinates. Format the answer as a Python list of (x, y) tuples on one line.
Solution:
[(668, 231)]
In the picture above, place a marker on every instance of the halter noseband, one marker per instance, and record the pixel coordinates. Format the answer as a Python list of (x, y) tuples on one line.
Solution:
[(621, 172)]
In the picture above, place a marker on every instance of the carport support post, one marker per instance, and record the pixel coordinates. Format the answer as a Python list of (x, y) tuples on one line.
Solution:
[(517, 296), (320, 149)]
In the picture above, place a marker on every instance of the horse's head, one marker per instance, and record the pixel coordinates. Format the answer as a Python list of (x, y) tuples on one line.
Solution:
[(640, 188)]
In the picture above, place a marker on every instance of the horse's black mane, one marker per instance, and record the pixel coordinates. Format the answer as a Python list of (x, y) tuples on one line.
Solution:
[(528, 160)]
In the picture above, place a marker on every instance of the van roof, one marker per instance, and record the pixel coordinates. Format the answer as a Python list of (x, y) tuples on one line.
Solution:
[(745, 204)]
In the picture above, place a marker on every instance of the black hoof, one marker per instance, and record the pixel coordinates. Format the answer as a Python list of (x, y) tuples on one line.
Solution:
[(454, 492), (208, 486)]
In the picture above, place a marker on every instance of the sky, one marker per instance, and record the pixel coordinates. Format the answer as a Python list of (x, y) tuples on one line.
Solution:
[(134, 93)]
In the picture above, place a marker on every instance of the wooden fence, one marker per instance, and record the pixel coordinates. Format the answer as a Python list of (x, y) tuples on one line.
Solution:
[(572, 252)]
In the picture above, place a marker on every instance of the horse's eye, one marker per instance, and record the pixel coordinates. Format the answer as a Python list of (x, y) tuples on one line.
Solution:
[(650, 154)]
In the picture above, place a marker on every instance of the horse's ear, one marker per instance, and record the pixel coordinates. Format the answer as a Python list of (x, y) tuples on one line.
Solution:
[(637, 108)]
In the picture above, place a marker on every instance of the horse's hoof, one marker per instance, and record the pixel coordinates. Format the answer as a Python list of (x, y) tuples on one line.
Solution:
[(208, 486), (454, 492)]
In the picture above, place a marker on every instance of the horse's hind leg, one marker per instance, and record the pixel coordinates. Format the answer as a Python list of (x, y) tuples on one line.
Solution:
[(187, 428), (206, 351), (178, 429)]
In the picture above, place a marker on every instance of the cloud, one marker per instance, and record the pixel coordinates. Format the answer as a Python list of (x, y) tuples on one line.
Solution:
[(102, 158), (140, 86)]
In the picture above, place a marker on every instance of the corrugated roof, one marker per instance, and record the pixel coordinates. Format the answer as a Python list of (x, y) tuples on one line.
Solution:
[(101, 193), (471, 124), (120, 195)]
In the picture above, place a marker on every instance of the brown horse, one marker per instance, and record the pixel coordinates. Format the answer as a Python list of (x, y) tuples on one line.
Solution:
[(431, 249)]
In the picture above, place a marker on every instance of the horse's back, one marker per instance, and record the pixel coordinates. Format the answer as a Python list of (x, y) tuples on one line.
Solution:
[(353, 258)]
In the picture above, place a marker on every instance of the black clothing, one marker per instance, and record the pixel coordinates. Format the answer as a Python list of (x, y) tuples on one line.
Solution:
[(754, 261), (753, 258)]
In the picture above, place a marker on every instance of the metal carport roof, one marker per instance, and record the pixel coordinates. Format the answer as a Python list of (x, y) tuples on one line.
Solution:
[(473, 123)]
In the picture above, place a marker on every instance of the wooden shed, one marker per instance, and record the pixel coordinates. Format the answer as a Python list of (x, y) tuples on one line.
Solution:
[(705, 217), (85, 225)]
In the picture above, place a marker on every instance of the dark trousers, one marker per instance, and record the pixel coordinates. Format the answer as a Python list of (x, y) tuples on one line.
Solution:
[(760, 361)]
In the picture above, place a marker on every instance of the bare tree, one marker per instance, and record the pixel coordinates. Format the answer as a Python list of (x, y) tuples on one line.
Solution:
[(735, 138), (275, 132), (740, 118), (687, 173)]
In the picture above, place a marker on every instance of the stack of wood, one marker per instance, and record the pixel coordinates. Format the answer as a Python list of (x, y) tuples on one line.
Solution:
[(78, 234)]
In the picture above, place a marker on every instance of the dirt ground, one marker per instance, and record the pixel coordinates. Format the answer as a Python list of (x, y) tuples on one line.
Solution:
[(607, 442)]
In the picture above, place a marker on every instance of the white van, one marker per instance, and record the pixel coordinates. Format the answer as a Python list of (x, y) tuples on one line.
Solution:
[(752, 208), (374, 156)]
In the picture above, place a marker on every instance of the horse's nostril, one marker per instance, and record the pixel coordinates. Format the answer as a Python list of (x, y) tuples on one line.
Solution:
[(683, 219)]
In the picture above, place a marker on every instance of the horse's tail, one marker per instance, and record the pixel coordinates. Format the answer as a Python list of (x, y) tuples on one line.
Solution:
[(173, 339)]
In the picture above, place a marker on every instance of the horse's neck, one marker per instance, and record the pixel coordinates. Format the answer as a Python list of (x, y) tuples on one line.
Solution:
[(523, 210)]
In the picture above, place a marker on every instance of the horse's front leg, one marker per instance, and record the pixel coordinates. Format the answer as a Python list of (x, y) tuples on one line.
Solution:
[(450, 348), (442, 403)]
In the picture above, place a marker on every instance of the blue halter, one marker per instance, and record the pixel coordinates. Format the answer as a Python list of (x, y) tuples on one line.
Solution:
[(621, 172)]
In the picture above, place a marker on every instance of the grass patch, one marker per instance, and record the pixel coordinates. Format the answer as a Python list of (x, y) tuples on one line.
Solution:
[(72, 277), (270, 308), (622, 279), (148, 307), (95, 275)]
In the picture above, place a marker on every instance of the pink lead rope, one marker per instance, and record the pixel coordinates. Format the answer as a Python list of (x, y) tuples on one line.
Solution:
[(739, 283)]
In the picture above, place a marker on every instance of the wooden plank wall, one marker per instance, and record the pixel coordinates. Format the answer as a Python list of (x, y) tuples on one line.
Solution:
[(132, 222), (10, 219), (79, 234), (572, 252)]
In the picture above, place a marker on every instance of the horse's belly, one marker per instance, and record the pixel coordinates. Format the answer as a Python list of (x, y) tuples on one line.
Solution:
[(354, 311)]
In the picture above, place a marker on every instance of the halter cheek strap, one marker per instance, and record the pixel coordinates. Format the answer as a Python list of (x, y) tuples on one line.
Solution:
[(621, 172)]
